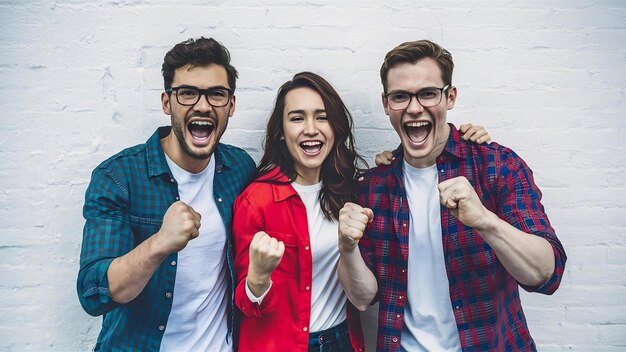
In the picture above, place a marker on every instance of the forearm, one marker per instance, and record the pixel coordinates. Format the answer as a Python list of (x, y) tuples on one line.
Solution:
[(357, 279), (129, 274), (258, 284), (528, 258)]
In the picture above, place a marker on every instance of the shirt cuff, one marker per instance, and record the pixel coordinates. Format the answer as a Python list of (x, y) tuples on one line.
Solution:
[(252, 298)]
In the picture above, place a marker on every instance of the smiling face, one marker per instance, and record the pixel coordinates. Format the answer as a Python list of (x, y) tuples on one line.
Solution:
[(423, 131), (198, 128), (308, 135)]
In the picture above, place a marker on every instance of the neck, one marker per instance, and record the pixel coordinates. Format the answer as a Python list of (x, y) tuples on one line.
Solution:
[(172, 149), (307, 178), (431, 158)]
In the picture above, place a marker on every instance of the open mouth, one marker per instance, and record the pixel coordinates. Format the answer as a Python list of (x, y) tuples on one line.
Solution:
[(201, 130), (418, 131), (311, 147)]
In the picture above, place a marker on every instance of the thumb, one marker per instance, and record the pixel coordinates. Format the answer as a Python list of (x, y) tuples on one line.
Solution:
[(281, 249), (369, 213)]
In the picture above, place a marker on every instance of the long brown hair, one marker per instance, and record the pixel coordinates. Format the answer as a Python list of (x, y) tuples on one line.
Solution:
[(339, 169)]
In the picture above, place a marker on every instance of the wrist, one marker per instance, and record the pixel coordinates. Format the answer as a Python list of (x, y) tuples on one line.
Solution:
[(159, 247), (348, 250), (489, 224), (257, 280)]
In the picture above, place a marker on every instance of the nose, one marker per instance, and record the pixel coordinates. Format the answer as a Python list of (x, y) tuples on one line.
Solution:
[(310, 127), (414, 105), (203, 104)]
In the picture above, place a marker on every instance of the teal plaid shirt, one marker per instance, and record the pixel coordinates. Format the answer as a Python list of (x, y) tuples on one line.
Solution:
[(124, 205)]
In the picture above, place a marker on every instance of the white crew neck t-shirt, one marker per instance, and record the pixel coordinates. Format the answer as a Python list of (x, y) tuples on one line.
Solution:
[(198, 319), (328, 299), (429, 323)]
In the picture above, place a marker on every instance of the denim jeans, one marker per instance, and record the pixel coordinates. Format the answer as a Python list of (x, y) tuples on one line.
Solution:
[(335, 339)]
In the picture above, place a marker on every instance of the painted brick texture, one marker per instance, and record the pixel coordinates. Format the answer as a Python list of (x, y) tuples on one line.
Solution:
[(80, 80)]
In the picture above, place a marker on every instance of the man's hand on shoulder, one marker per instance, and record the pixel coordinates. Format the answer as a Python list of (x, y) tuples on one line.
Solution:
[(476, 134)]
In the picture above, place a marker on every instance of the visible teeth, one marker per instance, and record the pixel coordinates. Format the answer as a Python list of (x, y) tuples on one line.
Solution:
[(311, 143), (202, 123), (417, 124)]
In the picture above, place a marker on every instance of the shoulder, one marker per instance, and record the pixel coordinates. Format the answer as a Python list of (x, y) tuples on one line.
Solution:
[(378, 175), (257, 195), (494, 154), (235, 153), (126, 159)]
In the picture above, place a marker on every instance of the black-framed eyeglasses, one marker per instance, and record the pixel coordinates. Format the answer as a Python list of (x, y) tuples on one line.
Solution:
[(427, 97), (189, 95)]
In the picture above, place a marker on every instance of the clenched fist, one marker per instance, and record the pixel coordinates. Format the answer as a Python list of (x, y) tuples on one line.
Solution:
[(353, 219), (180, 225), (458, 195), (265, 254)]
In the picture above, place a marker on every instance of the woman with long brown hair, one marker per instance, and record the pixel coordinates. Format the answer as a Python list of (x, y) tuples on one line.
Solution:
[(285, 226)]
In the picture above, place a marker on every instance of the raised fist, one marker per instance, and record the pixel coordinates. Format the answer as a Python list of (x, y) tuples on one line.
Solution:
[(180, 225), (265, 254), (353, 219)]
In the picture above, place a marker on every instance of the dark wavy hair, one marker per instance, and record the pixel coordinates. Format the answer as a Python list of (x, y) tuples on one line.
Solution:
[(197, 52), (339, 170)]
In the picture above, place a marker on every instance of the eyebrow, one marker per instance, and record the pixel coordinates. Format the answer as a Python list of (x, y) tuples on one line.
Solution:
[(213, 87), (301, 111), (406, 91)]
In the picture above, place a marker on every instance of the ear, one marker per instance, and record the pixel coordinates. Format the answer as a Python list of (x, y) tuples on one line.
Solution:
[(233, 101), (451, 98), (165, 103), (385, 102)]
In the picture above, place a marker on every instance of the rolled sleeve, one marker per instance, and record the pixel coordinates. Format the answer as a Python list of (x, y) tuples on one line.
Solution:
[(106, 236), (521, 207)]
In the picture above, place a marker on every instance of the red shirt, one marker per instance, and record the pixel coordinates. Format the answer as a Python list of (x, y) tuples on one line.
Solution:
[(281, 322)]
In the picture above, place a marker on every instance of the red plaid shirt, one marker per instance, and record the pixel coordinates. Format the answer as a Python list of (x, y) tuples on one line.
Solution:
[(484, 296)]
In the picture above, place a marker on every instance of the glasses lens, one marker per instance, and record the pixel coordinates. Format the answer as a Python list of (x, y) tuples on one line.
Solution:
[(218, 97), (429, 97), (187, 96), (399, 101)]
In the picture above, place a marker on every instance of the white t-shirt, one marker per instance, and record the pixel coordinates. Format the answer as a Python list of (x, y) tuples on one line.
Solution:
[(198, 320), (429, 323), (328, 299)]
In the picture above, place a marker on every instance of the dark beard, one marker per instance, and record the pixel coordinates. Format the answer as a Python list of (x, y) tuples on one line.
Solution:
[(180, 136)]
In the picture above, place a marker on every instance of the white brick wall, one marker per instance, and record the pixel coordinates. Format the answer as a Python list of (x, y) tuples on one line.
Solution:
[(80, 80)]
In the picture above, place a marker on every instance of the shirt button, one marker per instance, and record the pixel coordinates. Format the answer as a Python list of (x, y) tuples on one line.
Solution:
[(173, 263), (219, 199), (305, 328), (306, 248), (399, 297), (397, 315), (457, 307), (404, 225), (404, 270), (441, 171), (307, 288), (218, 169), (395, 339), (168, 295), (177, 198), (172, 180), (161, 327)]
